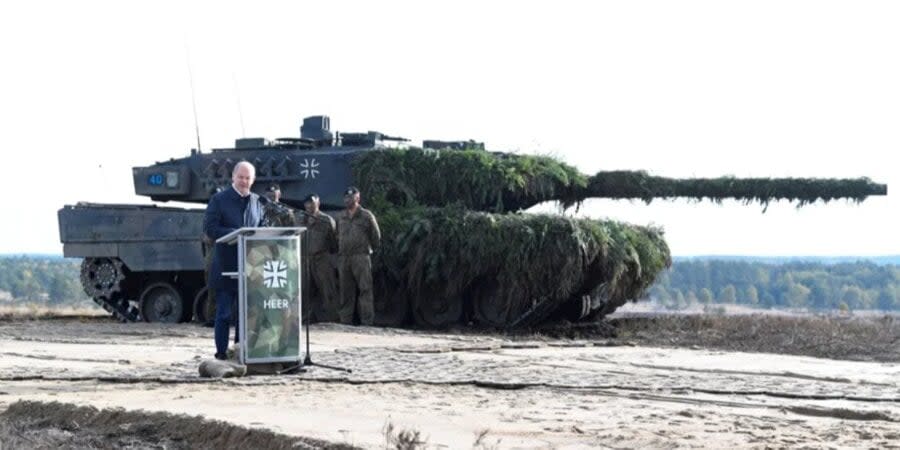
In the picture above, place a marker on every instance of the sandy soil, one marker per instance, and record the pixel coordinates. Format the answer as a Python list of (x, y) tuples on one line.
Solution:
[(857, 337), (465, 391), (55, 425)]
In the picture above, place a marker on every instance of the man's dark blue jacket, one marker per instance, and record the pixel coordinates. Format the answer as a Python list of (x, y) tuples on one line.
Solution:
[(224, 214)]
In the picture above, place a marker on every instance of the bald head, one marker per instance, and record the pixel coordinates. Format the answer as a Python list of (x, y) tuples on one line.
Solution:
[(244, 165), (242, 177)]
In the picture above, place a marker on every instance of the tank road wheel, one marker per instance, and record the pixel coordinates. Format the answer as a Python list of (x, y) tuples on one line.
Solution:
[(391, 312), (488, 306), (204, 307), (102, 277), (161, 302), (491, 312), (391, 302), (435, 311)]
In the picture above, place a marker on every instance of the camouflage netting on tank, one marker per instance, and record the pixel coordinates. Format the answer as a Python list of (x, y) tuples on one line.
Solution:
[(475, 179), (495, 268), (449, 262), (506, 182), (641, 185)]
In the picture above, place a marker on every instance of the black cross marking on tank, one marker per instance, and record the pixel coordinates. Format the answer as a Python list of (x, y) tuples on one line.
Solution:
[(309, 168)]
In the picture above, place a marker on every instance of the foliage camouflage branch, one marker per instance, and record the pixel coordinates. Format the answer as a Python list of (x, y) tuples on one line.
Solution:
[(499, 182), (441, 253)]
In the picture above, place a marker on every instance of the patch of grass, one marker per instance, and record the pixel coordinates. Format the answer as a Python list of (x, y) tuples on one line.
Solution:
[(28, 311), (406, 439), (34, 424)]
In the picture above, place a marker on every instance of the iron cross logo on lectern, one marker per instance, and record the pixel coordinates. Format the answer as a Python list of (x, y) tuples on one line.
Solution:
[(274, 274)]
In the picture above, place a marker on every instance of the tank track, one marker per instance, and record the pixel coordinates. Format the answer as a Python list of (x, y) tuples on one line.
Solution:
[(120, 308), (101, 279)]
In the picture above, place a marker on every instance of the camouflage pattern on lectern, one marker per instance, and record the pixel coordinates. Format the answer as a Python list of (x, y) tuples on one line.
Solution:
[(273, 298)]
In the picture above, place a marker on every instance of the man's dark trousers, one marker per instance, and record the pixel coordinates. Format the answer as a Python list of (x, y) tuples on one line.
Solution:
[(226, 301)]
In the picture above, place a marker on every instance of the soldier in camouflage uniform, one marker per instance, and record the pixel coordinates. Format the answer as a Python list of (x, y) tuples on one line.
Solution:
[(358, 235), (277, 214), (273, 193), (322, 243)]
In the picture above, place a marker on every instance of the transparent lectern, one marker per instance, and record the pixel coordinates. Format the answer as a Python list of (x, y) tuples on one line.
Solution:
[(269, 293)]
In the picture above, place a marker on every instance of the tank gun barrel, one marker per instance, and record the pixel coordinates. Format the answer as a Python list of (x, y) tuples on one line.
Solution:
[(641, 185), (505, 182), (385, 137)]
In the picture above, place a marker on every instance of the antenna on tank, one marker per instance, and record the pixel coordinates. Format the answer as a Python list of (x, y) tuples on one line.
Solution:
[(237, 97), (187, 51)]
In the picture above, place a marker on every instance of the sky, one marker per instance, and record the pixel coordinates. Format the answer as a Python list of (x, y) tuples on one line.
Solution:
[(681, 89)]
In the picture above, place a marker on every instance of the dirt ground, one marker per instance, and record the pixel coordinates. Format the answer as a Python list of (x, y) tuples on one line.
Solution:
[(54, 425), (657, 383), (856, 338)]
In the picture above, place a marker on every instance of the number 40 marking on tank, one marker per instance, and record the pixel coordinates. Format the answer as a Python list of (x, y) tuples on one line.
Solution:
[(309, 168)]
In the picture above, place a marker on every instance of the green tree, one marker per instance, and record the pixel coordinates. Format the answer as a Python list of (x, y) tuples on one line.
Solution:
[(706, 296), (661, 295), (887, 300), (679, 301), (782, 284), (767, 300), (751, 295), (728, 295), (60, 289), (797, 295), (26, 287), (820, 294), (691, 298), (853, 297)]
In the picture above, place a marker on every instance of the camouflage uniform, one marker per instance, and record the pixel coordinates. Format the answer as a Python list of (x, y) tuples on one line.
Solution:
[(358, 235), (278, 215), (322, 242)]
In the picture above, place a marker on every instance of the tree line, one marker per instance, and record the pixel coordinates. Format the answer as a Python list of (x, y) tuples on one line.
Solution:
[(808, 285), (41, 279)]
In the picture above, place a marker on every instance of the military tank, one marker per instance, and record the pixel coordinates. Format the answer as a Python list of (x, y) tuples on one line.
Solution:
[(458, 247)]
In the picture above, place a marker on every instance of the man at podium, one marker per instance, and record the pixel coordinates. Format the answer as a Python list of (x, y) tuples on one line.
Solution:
[(227, 211)]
